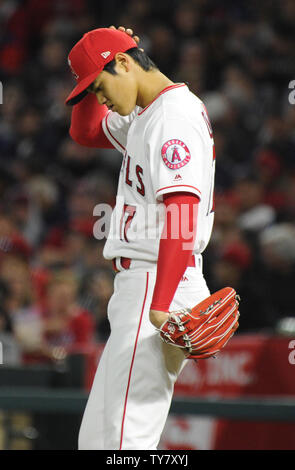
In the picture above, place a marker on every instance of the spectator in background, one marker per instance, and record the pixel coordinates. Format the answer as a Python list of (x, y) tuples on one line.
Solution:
[(187, 20), (254, 215), (24, 313), (11, 241), (66, 324), (192, 66), (97, 291), (14, 100), (11, 354), (25, 214), (234, 267), (277, 244), (57, 328), (45, 195), (226, 229), (163, 47)]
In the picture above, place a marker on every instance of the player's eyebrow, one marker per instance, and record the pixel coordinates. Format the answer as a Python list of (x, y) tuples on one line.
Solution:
[(93, 87), (90, 88)]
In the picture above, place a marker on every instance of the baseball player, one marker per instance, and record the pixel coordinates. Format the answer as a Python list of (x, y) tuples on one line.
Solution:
[(161, 224)]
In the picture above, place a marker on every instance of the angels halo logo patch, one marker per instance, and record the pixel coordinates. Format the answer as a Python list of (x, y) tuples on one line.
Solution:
[(175, 154)]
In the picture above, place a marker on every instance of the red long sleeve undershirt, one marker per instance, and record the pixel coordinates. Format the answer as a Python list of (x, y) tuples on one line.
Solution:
[(86, 123), (173, 253)]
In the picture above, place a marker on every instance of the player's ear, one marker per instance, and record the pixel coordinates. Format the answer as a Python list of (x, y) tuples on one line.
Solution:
[(123, 61)]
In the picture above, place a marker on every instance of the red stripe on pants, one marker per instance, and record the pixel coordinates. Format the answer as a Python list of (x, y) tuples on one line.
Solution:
[(132, 361)]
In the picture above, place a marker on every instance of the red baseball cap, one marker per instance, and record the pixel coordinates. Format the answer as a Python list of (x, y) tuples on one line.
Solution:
[(90, 55)]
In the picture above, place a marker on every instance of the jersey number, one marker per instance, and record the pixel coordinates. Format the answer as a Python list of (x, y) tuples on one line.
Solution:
[(125, 222)]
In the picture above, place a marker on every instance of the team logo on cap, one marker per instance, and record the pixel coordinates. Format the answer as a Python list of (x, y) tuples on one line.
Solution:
[(175, 154), (73, 71), (106, 54)]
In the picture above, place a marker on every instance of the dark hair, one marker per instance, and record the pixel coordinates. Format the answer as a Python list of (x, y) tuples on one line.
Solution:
[(138, 56)]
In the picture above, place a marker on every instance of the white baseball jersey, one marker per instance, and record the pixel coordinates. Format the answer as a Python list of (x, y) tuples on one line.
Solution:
[(167, 147)]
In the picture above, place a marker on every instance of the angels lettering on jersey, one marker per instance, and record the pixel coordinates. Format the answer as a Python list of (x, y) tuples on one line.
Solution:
[(167, 147)]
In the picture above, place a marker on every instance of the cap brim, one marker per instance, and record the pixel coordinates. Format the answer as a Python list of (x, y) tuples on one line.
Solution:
[(79, 92)]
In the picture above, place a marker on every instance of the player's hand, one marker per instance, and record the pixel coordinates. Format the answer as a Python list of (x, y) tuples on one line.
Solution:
[(157, 318), (128, 31)]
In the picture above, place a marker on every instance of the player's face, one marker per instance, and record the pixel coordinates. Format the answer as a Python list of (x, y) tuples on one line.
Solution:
[(118, 92)]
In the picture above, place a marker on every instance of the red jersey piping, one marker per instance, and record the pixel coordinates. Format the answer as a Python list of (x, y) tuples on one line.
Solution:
[(108, 129), (168, 88), (179, 186)]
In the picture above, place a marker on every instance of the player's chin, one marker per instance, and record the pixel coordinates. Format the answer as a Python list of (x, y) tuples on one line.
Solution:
[(125, 110)]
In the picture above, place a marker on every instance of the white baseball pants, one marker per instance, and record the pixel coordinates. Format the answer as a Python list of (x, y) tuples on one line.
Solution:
[(132, 390)]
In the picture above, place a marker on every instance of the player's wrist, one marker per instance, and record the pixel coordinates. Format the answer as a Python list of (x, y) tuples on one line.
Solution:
[(158, 317)]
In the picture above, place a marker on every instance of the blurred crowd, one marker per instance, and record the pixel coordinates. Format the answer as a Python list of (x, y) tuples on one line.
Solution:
[(238, 57)]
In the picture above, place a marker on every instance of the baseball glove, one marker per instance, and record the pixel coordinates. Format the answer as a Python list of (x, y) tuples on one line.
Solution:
[(206, 328)]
